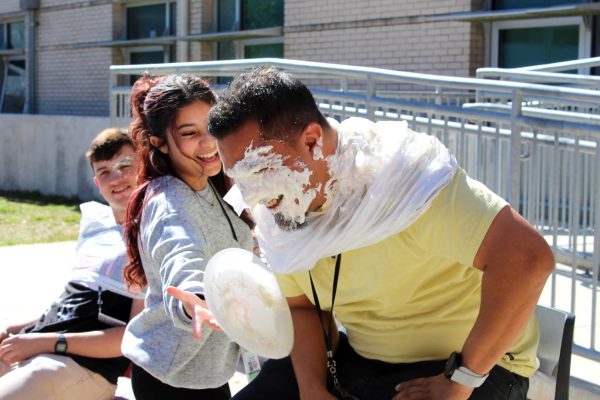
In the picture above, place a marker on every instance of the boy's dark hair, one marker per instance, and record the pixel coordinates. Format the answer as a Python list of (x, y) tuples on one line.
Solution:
[(281, 105), (106, 144)]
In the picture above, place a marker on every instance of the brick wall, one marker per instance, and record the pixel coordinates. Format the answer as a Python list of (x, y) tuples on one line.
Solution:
[(9, 6), (208, 49), (301, 12), (383, 33), (72, 80), (477, 49), (73, 3), (201, 21), (196, 7)]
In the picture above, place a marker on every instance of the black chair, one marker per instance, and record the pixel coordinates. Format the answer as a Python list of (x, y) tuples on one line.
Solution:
[(554, 350)]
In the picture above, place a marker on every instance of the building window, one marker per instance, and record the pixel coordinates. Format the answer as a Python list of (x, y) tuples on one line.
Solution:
[(521, 43), (15, 35), (263, 50), (241, 15), (12, 35), (513, 4), (13, 93), (261, 13), (12, 67), (148, 55), (149, 21)]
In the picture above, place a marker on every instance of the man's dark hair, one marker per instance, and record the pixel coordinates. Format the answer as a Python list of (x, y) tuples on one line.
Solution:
[(281, 105), (106, 144)]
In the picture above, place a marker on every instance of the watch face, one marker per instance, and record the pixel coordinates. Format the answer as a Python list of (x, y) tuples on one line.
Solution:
[(61, 345)]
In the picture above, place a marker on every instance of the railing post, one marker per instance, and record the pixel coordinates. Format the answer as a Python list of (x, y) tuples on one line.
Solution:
[(344, 84), (514, 175), (370, 94), (596, 254), (112, 83)]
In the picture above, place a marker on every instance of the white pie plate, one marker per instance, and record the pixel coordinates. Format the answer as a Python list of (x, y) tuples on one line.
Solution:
[(246, 300)]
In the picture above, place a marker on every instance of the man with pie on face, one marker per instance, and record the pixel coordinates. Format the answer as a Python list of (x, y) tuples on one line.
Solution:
[(435, 277)]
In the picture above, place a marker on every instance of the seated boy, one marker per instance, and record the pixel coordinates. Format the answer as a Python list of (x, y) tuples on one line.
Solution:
[(73, 351)]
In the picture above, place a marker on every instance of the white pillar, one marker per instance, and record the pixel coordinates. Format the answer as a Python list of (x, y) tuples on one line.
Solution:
[(183, 29)]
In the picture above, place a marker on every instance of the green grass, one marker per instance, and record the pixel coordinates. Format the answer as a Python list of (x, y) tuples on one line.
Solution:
[(30, 217)]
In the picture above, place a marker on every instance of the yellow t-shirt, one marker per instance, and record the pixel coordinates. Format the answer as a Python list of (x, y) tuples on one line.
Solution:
[(415, 295)]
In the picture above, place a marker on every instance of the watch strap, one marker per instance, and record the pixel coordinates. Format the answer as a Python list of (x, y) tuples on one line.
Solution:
[(465, 376)]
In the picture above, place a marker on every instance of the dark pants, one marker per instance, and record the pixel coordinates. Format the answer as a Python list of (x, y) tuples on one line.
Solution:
[(374, 380), (147, 387)]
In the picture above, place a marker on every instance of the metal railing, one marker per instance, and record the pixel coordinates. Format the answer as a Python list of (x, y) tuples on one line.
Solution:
[(556, 78), (564, 65), (557, 74), (544, 161)]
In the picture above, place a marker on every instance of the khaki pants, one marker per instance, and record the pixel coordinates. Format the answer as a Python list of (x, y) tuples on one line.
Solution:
[(52, 377)]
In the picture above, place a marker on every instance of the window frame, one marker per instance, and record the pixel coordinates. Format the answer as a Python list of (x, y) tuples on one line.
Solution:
[(7, 33), (143, 49), (492, 5), (166, 3), (166, 50), (240, 45), (241, 50), (4, 28), (3, 72), (238, 17), (7, 58), (585, 34), (5, 23)]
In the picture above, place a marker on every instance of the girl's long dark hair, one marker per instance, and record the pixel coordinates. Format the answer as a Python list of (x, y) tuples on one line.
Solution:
[(155, 101)]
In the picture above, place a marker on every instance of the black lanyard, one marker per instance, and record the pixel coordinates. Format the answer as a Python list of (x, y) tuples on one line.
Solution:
[(328, 334)]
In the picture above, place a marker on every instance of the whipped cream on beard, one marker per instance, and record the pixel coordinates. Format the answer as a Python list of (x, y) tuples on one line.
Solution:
[(382, 177), (266, 182)]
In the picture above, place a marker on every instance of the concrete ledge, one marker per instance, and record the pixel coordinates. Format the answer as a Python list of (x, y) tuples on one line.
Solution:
[(45, 153)]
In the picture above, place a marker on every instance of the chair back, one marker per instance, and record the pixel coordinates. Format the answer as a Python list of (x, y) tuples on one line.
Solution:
[(556, 343)]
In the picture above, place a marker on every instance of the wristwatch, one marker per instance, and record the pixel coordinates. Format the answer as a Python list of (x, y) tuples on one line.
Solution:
[(461, 374), (61, 344)]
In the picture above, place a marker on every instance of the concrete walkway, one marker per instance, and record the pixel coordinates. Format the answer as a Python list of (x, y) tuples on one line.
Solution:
[(32, 276)]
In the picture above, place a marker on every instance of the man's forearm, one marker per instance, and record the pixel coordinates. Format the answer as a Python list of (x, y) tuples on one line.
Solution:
[(516, 262), (508, 300), (95, 344), (309, 356)]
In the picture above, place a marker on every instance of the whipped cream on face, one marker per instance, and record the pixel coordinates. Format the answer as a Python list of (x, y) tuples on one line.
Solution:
[(383, 176), (264, 180)]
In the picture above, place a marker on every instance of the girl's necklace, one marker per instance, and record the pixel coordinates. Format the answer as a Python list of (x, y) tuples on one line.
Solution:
[(209, 193)]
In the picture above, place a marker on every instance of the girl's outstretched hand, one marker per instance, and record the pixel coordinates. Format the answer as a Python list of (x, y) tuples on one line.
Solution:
[(197, 309)]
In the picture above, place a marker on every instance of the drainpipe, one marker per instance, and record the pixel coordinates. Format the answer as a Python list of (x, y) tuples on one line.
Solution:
[(31, 6)]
